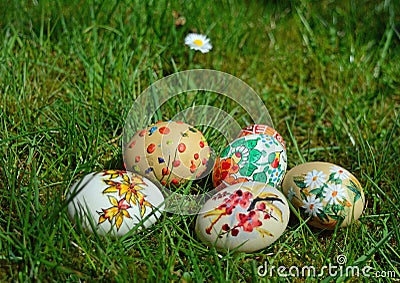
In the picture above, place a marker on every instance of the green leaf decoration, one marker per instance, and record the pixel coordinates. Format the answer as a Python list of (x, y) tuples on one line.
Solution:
[(260, 177), (299, 181), (303, 195), (336, 217), (251, 143), (318, 191), (323, 216), (353, 187), (336, 208), (356, 186), (271, 157), (255, 155), (333, 179), (238, 142), (225, 152), (247, 170)]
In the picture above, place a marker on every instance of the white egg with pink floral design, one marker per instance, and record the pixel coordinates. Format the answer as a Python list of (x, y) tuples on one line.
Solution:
[(244, 217), (114, 202)]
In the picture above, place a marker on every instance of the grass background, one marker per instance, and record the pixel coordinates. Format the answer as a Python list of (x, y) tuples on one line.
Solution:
[(328, 72)]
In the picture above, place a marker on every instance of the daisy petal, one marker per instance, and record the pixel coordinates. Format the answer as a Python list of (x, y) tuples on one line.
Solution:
[(198, 42)]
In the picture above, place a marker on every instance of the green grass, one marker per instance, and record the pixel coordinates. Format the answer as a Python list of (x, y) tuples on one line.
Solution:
[(328, 72)]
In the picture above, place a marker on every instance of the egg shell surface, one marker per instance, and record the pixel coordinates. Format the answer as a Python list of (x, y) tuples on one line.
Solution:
[(114, 202), (262, 129), (326, 192), (255, 157), (168, 152), (248, 216)]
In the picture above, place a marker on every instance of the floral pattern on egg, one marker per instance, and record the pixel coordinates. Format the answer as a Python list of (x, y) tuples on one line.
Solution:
[(256, 157), (262, 129), (115, 200), (325, 192), (250, 214), (128, 191)]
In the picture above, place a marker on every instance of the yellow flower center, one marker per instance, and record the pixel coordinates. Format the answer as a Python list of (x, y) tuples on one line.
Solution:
[(198, 42), (334, 193), (312, 206), (315, 178)]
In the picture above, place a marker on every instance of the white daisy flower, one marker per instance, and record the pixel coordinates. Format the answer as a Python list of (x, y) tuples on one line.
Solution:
[(291, 193), (198, 42), (312, 205), (334, 193), (315, 179), (339, 172)]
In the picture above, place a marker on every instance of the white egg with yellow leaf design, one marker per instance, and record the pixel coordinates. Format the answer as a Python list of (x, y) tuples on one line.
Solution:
[(246, 217), (114, 202)]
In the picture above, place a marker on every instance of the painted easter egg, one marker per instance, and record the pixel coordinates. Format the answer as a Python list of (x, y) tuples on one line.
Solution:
[(114, 202), (327, 193), (256, 157), (168, 152), (262, 129), (247, 216)]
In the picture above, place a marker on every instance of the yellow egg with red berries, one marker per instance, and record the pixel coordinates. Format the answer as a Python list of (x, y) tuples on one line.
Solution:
[(170, 152)]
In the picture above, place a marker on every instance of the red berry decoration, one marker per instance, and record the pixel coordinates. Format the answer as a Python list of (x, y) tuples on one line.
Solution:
[(168, 151), (164, 130), (181, 147), (151, 148)]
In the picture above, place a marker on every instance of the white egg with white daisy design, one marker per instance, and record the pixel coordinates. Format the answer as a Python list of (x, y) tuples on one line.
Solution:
[(326, 192)]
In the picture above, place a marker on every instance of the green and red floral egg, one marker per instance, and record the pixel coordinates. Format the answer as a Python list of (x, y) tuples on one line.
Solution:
[(168, 152), (326, 192), (262, 129), (254, 157)]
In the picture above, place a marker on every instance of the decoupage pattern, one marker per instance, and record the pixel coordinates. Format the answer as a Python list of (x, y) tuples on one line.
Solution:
[(262, 129), (329, 198), (123, 191), (248, 209), (256, 157)]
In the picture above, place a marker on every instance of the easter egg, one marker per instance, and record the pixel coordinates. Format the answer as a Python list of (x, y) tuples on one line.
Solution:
[(255, 157), (247, 216), (262, 129), (169, 152), (326, 192), (114, 202)]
